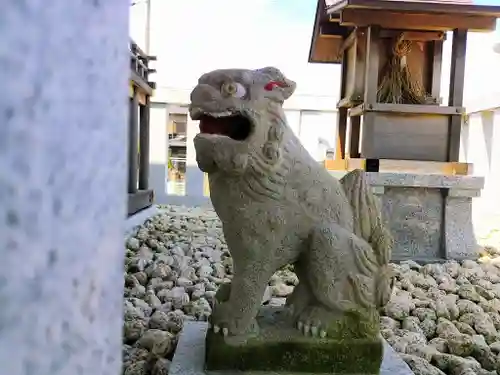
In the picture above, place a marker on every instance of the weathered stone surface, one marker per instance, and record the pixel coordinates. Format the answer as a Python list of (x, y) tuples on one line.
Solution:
[(420, 216), (278, 206), (62, 185)]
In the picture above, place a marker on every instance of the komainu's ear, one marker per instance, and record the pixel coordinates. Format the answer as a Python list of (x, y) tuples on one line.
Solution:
[(277, 80)]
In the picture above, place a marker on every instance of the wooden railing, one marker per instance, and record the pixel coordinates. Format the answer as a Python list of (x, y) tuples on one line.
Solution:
[(140, 196)]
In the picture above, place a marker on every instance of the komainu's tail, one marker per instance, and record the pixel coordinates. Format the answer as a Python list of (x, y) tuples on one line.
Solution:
[(369, 226)]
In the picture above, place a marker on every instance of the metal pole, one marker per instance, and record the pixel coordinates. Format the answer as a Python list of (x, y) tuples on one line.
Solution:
[(148, 27)]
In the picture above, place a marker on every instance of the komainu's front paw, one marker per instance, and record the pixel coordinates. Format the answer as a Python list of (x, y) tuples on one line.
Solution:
[(224, 319), (314, 321)]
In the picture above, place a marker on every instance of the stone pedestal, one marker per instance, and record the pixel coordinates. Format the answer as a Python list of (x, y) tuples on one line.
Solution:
[(63, 138), (354, 348), (189, 356), (430, 216)]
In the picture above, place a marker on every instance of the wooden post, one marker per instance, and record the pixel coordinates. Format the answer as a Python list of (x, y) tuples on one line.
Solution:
[(342, 113), (436, 67), (355, 126), (372, 65), (456, 94), (144, 145), (371, 87), (133, 138)]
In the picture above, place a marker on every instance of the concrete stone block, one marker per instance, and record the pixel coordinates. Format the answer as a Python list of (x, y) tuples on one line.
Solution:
[(189, 358), (430, 216), (458, 231)]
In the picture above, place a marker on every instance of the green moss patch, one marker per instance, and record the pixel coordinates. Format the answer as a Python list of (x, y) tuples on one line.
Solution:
[(281, 348), (355, 326)]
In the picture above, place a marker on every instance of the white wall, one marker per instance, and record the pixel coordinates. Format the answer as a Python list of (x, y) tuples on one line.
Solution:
[(317, 128), (481, 146), (293, 118), (158, 149), (194, 176), (307, 125)]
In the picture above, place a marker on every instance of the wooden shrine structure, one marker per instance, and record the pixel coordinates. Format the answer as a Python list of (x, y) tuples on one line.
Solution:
[(140, 196), (391, 119)]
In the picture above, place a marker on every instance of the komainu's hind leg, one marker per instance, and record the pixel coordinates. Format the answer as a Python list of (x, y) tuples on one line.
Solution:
[(328, 267), (302, 295), (307, 312)]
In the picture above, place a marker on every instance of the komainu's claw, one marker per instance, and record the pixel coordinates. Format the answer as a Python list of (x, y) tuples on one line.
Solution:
[(216, 329), (316, 321)]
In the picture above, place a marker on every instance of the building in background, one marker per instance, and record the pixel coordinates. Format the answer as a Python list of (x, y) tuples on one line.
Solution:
[(183, 53)]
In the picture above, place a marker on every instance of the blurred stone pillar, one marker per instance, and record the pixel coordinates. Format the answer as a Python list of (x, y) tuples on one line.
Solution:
[(64, 67)]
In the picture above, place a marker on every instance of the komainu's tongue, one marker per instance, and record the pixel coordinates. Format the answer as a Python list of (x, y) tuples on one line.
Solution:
[(211, 125)]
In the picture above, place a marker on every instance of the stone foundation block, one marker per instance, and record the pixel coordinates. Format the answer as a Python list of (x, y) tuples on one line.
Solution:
[(281, 348), (190, 358), (430, 216)]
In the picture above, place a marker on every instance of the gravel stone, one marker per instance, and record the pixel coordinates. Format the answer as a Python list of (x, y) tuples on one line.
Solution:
[(442, 318)]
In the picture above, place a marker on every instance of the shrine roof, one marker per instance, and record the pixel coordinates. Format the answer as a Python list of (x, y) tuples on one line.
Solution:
[(335, 20), (430, 7)]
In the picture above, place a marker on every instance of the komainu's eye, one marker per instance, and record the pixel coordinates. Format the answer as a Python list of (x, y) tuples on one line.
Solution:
[(234, 89)]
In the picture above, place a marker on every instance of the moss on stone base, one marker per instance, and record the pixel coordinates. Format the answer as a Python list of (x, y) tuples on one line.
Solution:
[(280, 348), (355, 326)]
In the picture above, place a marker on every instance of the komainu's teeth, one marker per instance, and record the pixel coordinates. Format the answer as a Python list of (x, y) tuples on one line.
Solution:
[(222, 114), (196, 113)]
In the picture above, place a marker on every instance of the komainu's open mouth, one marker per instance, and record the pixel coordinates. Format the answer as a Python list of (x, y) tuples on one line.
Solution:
[(234, 126)]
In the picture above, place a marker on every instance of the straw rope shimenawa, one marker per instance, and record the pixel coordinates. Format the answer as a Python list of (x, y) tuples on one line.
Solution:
[(397, 85)]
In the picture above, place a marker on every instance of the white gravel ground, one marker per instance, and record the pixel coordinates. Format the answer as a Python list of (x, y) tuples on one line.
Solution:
[(442, 318)]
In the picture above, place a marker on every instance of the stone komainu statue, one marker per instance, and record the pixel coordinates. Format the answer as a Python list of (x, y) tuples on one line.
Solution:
[(279, 206)]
